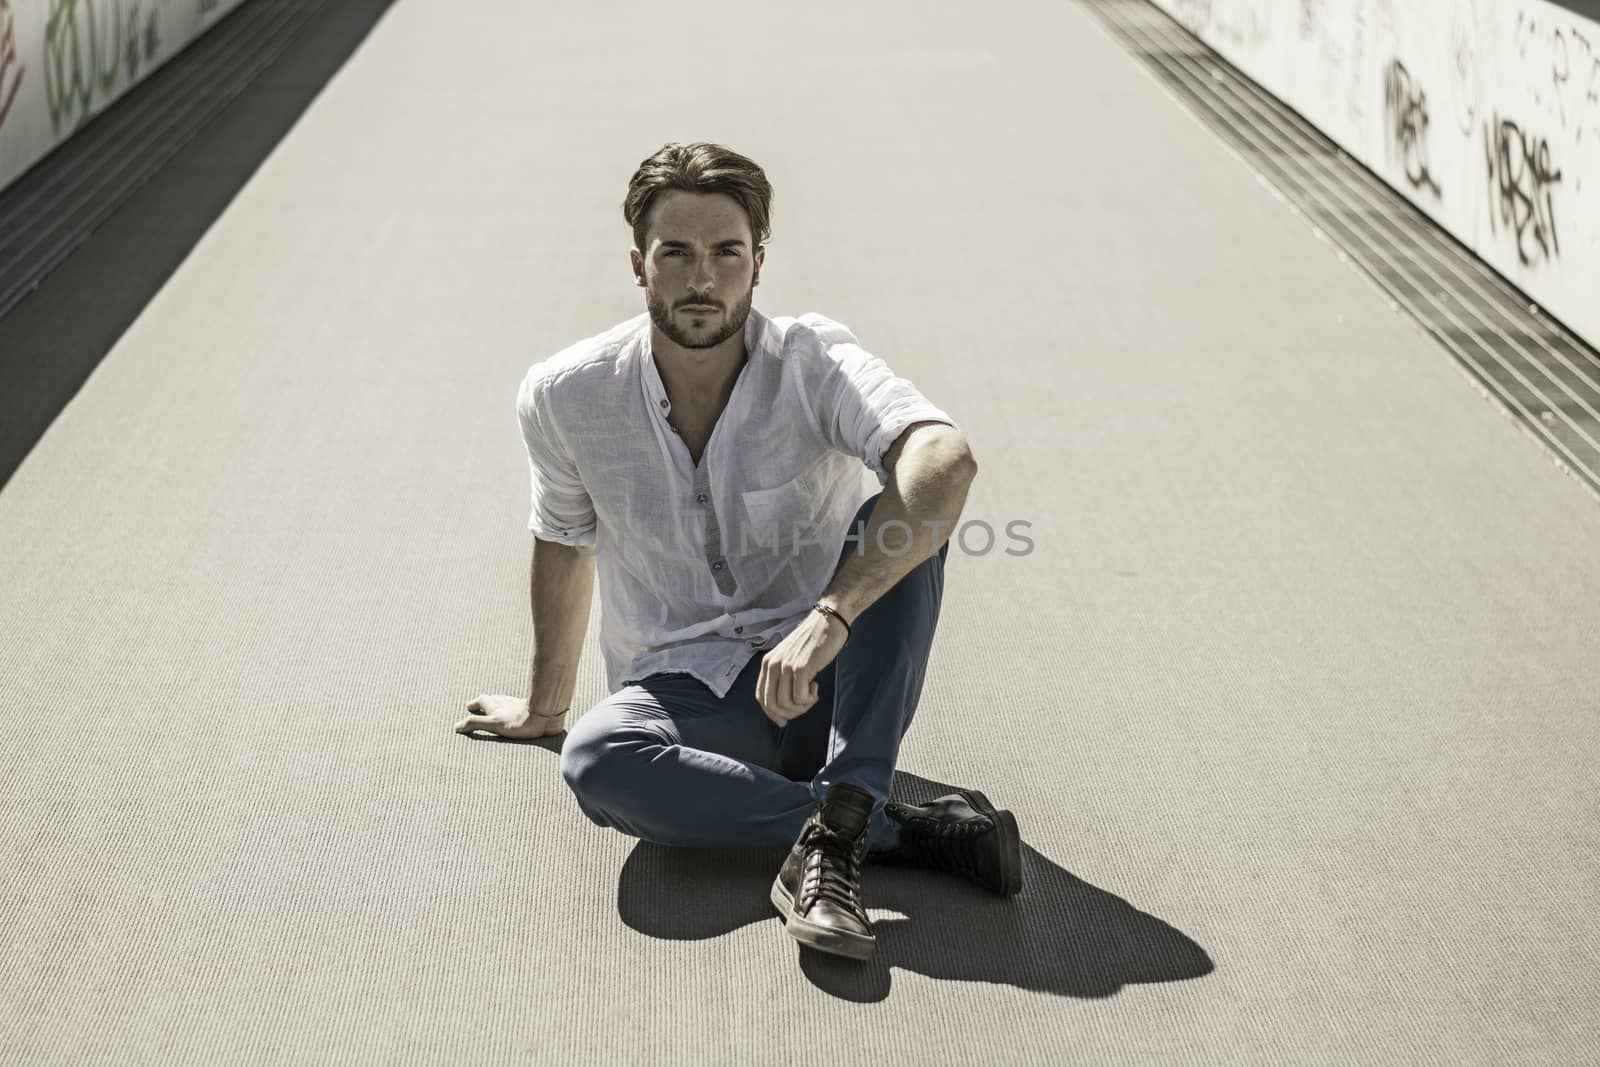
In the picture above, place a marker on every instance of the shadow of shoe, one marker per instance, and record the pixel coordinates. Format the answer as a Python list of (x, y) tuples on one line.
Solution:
[(1059, 935)]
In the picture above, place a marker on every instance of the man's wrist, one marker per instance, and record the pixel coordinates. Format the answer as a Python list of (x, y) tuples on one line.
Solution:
[(832, 614), (548, 704), (837, 604)]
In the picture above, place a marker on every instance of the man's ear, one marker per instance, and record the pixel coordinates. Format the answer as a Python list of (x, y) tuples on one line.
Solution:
[(755, 276), (637, 260)]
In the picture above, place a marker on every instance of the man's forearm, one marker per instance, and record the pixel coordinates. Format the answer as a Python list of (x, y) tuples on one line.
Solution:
[(560, 585), (914, 516)]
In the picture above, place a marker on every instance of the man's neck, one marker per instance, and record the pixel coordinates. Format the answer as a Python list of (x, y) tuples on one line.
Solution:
[(700, 377)]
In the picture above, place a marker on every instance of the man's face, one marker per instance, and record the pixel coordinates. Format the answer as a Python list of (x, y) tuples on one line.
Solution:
[(699, 254)]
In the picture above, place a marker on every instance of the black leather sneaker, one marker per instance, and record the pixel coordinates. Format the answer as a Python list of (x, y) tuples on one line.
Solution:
[(818, 888), (961, 833)]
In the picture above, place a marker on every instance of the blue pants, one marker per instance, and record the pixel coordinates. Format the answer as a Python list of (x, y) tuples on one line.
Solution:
[(664, 760)]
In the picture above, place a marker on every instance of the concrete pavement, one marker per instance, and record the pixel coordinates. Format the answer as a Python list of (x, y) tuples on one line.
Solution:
[(1293, 698)]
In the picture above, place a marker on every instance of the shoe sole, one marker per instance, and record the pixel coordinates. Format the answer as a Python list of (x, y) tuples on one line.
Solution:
[(1010, 842), (821, 938)]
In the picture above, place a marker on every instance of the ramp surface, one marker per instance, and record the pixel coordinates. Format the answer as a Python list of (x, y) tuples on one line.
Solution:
[(1293, 696)]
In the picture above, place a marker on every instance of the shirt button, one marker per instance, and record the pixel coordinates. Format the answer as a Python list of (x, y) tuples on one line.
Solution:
[(663, 403), (700, 497), (717, 566), (738, 629)]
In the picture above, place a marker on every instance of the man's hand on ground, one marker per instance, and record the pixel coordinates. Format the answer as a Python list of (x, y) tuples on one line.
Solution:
[(509, 717)]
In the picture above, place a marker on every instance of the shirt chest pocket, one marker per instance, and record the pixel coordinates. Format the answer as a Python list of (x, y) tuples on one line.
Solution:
[(778, 516)]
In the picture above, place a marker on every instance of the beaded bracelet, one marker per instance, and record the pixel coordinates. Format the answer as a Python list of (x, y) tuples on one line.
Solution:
[(826, 610)]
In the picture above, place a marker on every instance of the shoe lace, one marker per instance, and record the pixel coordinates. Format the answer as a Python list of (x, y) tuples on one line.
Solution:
[(832, 870), (949, 845)]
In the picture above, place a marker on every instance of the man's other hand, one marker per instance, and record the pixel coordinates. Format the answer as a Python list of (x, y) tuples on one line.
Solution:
[(787, 686), (509, 717)]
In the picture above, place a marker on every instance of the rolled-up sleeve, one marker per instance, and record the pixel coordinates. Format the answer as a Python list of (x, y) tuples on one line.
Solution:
[(562, 510), (861, 405)]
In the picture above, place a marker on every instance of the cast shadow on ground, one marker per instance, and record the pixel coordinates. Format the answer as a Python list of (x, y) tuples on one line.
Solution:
[(1059, 935)]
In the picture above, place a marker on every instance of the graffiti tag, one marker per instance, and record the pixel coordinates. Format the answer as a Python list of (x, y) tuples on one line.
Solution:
[(11, 68), (1405, 112), (152, 39), (1307, 25), (1354, 104), (142, 42), (82, 55), (130, 48), (1521, 189), (1563, 69), (1465, 77)]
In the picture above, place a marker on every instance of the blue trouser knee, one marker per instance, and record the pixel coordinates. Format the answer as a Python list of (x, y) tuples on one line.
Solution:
[(664, 760)]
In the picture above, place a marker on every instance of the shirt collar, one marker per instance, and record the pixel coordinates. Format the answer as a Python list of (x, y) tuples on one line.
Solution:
[(757, 336)]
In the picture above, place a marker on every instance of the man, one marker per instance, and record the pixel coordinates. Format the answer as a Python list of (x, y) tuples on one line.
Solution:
[(765, 632)]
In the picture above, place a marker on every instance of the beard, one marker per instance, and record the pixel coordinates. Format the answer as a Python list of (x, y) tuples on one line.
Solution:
[(732, 322)]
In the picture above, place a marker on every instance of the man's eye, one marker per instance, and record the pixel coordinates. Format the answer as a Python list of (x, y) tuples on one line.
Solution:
[(731, 251)]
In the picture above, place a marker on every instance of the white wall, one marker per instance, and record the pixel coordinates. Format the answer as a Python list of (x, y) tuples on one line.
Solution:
[(1485, 113), (64, 61)]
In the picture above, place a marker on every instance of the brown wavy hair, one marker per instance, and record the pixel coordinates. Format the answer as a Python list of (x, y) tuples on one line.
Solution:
[(700, 167)]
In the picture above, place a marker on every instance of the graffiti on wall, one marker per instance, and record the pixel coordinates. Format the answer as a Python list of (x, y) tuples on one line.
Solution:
[(1355, 103), (1498, 99), (142, 41), (64, 61), (1562, 67), (82, 58), (1522, 184), (11, 68), (1466, 73), (1311, 13), (1405, 118)]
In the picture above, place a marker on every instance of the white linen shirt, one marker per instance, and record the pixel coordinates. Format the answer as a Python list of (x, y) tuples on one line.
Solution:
[(702, 566)]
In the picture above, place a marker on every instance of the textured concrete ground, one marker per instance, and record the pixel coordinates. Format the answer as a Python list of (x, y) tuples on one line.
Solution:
[(1293, 697)]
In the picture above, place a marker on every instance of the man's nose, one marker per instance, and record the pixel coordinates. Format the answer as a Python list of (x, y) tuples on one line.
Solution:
[(701, 279)]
